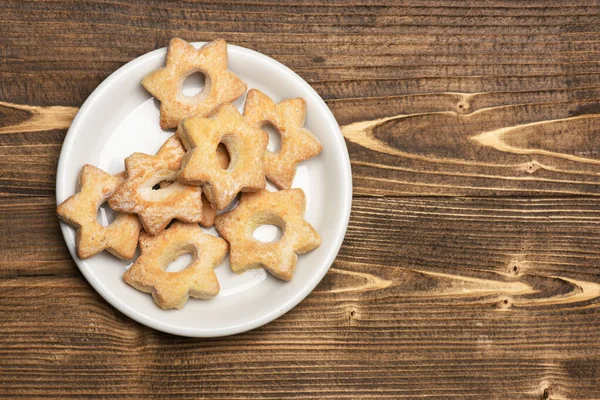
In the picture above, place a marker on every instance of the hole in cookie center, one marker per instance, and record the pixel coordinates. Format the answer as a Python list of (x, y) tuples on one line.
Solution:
[(223, 156), (180, 263), (274, 137), (162, 185), (267, 233), (105, 215), (194, 84)]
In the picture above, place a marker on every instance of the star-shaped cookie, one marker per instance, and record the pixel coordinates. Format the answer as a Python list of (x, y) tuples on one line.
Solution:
[(156, 207), (172, 289), (120, 237), (284, 209), (200, 166), (221, 85), (297, 143)]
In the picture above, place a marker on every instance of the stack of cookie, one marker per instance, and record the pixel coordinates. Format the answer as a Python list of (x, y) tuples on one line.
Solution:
[(215, 154)]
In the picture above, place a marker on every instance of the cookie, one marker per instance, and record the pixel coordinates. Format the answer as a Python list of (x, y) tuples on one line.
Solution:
[(120, 237), (221, 85), (156, 206), (200, 166), (284, 209), (297, 143), (172, 289)]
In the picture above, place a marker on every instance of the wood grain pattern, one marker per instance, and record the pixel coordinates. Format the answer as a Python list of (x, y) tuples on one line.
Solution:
[(470, 266), (394, 155)]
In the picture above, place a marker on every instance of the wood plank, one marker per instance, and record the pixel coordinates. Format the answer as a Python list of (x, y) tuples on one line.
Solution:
[(508, 150), (60, 340), (484, 238), (472, 47), (446, 144)]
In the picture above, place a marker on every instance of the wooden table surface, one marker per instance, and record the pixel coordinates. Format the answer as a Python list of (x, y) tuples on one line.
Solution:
[(471, 264)]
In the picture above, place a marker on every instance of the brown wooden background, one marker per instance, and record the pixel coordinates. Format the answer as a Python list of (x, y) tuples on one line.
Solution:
[(470, 267)]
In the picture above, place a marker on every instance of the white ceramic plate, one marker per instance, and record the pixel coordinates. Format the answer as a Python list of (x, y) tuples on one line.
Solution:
[(120, 118)]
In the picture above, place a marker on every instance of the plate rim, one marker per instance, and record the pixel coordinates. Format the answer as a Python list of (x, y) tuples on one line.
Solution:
[(345, 186)]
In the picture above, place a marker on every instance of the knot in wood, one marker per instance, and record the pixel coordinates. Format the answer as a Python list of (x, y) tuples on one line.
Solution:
[(463, 107), (532, 167)]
